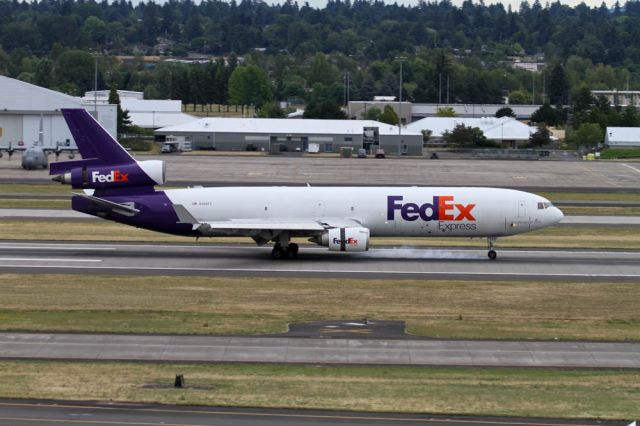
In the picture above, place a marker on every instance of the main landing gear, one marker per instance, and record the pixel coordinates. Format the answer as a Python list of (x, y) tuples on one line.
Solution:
[(289, 252), (492, 244)]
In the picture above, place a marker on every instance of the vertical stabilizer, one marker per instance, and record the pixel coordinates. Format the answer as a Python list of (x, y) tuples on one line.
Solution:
[(93, 140)]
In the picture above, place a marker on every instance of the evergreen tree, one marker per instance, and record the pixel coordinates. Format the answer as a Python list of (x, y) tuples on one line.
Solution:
[(123, 121), (388, 116)]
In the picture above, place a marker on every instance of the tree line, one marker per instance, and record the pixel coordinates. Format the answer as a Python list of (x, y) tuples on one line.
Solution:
[(261, 53)]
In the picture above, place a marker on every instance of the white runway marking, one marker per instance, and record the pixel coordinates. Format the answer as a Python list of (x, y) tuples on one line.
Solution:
[(631, 167), (38, 247), (114, 247), (35, 259), (325, 271)]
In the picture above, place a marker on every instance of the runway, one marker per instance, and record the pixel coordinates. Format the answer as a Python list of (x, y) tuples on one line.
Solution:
[(283, 350), (379, 263), (32, 413)]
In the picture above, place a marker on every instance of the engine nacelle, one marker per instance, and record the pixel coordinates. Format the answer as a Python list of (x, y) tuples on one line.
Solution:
[(141, 173), (345, 239)]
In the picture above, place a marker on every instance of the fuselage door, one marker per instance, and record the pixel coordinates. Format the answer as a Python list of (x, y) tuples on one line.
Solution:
[(522, 209)]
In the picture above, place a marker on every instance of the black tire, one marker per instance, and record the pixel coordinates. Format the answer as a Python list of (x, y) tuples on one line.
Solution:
[(293, 248), (492, 254), (277, 252)]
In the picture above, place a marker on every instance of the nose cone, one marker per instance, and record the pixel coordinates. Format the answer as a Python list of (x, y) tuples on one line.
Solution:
[(557, 215)]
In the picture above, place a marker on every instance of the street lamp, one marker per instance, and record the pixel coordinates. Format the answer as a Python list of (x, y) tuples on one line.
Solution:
[(400, 59)]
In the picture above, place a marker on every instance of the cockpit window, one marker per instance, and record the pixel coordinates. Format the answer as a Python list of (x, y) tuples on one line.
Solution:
[(544, 205)]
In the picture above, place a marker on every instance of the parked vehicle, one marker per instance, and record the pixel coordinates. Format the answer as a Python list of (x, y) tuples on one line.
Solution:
[(379, 153)]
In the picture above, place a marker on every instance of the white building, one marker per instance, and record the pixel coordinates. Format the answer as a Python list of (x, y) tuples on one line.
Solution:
[(622, 137), (22, 104), (619, 97), (296, 135), (522, 112), (145, 113), (505, 130)]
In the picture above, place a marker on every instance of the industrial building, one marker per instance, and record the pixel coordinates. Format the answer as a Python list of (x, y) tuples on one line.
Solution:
[(23, 104), (619, 97), (507, 131), (273, 134), (145, 113), (622, 137)]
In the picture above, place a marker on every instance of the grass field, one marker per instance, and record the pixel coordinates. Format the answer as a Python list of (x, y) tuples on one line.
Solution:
[(514, 392), (223, 305)]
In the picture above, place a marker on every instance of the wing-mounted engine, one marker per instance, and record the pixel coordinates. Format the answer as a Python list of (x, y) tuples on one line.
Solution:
[(344, 239), (85, 174)]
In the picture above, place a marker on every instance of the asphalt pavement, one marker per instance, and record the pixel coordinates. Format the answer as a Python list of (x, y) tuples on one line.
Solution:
[(379, 263), (37, 413), (282, 170)]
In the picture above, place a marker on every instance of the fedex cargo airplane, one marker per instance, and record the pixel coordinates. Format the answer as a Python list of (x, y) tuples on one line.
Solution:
[(119, 188)]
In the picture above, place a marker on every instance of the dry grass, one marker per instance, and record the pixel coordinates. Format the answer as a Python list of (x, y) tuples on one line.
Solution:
[(600, 211), (562, 236), (512, 392), (456, 309), (23, 188), (31, 203)]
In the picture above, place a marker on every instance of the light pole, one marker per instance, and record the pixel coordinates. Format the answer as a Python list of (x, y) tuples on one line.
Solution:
[(95, 85), (401, 59)]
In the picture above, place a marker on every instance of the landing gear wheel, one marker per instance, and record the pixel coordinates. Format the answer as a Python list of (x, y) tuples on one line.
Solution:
[(492, 254), (292, 250), (277, 252)]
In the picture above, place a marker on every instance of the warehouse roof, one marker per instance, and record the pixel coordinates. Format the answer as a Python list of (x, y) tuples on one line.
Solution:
[(626, 136), (503, 128), (281, 125), (18, 95)]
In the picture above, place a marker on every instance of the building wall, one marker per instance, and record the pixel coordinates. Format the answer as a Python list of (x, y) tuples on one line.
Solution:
[(24, 126), (411, 145)]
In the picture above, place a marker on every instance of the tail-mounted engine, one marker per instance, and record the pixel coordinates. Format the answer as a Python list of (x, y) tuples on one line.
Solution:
[(345, 239), (87, 175)]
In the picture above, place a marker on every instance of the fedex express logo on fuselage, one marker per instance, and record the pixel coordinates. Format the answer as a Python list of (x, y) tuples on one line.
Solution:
[(113, 176), (443, 207)]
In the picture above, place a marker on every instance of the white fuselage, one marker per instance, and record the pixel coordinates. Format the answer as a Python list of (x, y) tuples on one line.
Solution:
[(385, 211)]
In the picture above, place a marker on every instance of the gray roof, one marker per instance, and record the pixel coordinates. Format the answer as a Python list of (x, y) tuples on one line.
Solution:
[(18, 95)]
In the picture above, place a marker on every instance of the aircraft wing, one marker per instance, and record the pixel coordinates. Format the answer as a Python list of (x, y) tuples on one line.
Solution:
[(262, 224)]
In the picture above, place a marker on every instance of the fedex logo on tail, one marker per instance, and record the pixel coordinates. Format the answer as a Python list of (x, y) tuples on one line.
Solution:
[(443, 207), (113, 176)]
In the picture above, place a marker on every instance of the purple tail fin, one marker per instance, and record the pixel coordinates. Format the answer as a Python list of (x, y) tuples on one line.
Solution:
[(95, 144), (93, 140)]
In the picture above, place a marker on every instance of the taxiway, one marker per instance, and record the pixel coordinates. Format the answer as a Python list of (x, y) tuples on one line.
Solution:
[(283, 350), (32, 413)]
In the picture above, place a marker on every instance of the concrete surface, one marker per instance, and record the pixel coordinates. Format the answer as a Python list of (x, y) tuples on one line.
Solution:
[(319, 351), (39, 412), (404, 171)]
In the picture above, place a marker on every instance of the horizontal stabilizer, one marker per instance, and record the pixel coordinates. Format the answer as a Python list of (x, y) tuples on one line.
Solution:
[(123, 209), (61, 167)]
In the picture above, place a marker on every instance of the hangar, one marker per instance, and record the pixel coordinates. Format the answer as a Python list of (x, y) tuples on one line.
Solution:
[(22, 104), (505, 130), (145, 113), (276, 134), (622, 137)]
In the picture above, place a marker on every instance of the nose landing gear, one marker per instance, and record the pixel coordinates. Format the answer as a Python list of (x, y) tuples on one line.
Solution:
[(492, 244)]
